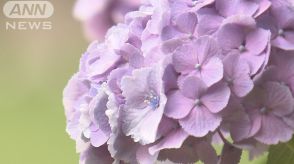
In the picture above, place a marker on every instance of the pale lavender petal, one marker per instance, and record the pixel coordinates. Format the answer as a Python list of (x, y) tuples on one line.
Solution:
[(178, 106), (173, 140), (141, 124), (206, 47), (166, 125), (74, 90), (186, 22), (273, 131), (212, 71), (230, 37), (282, 43), (209, 24), (216, 98), (235, 7), (257, 41), (97, 108), (171, 45), (279, 99), (144, 156), (105, 63), (132, 55), (200, 122), (140, 120), (254, 62), (264, 5), (192, 87), (98, 138), (185, 58), (237, 75)]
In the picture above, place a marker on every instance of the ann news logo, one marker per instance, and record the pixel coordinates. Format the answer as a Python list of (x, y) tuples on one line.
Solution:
[(28, 15)]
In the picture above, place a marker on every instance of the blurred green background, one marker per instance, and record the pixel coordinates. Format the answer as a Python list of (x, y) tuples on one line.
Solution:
[(34, 68)]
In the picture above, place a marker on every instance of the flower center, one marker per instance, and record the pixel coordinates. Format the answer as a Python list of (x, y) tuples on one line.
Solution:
[(242, 48), (281, 32), (152, 100), (263, 110), (198, 66), (230, 81), (197, 102)]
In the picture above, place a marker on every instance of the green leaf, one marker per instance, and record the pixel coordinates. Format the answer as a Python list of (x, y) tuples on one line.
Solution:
[(282, 153)]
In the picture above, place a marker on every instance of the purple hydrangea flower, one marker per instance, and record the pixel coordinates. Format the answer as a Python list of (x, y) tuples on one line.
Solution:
[(197, 106), (201, 58), (266, 106), (239, 35), (279, 19), (145, 101), (178, 76), (237, 75)]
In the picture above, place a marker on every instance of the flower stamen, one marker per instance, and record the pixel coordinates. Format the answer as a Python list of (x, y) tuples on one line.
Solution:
[(152, 100)]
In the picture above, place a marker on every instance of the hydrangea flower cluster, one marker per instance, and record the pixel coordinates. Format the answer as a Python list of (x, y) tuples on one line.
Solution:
[(180, 75)]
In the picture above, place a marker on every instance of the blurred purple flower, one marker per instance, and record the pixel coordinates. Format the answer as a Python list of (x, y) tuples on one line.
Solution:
[(98, 16)]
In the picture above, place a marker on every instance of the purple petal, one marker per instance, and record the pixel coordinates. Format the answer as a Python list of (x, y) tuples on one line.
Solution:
[(118, 143), (273, 131), (200, 121), (97, 108), (173, 140), (139, 119), (185, 58), (178, 106), (208, 24), (264, 5), (144, 156), (74, 90), (192, 87), (186, 22), (212, 71), (255, 62), (282, 43), (279, 99), (98, 138), (132, 55), (206, 47), (237, 75), (92, 155), (235, 7), (171, 45), (216, 97), (230, 37), (257, 41)]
